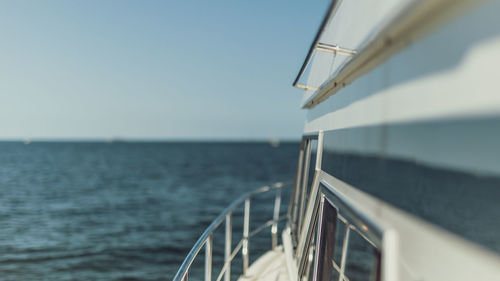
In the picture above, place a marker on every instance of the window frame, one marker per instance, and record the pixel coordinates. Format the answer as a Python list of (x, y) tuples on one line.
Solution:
[(324, 186), (329, 189), (297, 211)]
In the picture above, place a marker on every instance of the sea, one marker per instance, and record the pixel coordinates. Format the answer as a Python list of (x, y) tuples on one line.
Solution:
[(126, 210), (133, 210)]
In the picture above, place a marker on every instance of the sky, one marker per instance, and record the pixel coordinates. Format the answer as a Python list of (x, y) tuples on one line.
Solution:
[(85, 69)]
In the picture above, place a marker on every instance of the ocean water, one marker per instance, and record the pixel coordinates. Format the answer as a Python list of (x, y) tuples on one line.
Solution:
[(122, 211)]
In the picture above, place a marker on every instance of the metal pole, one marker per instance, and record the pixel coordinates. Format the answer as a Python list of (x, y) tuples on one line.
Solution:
[(227, 250), (294, 199), (310, 260), (303, 187), (208, 258), (276, 215), (246, 228), (344, 252)]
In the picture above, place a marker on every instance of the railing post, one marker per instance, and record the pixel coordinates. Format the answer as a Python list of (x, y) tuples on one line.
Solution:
[(208, 258), (310, 260), (227, 250), (246, 228), (344, 251), (303, 186), (276, 215)]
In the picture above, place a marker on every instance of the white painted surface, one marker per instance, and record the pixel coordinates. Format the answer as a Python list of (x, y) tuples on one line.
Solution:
[(269, 267), (450, 74), (288, 252), (353, 24)]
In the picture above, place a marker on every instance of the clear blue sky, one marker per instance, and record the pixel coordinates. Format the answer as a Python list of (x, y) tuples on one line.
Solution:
[(153, 69)]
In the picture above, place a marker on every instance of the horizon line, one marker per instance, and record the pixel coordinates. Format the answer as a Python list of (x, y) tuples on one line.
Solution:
[(159, 140)]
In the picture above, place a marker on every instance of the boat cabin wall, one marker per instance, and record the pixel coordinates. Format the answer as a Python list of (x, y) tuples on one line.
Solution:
[(413, 146)]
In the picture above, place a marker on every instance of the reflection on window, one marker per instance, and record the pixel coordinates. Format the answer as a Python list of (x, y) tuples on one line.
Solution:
[(361, 157)]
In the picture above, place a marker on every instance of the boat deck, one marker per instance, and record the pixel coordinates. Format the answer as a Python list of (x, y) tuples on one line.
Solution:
[(269, 267)]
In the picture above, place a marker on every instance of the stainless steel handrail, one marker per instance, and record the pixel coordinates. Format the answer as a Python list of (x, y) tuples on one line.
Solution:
[(226, 215)]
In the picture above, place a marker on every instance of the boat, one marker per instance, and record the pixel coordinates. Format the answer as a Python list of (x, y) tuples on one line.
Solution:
[(398, 174)]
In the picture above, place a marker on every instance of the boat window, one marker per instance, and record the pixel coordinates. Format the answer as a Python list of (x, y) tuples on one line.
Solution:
[(404, 165), (308, 176), (339, 237), (304, 180), (325, 267), (293, 211), (344, 252)]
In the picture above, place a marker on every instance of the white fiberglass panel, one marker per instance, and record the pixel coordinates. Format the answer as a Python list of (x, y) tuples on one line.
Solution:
[(436, 101), (356, 21), (451, 73)]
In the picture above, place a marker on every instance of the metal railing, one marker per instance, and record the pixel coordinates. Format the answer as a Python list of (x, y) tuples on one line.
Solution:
[(206, 239)]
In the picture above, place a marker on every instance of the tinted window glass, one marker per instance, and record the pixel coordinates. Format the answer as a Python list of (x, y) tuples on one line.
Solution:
[(422, 169)]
